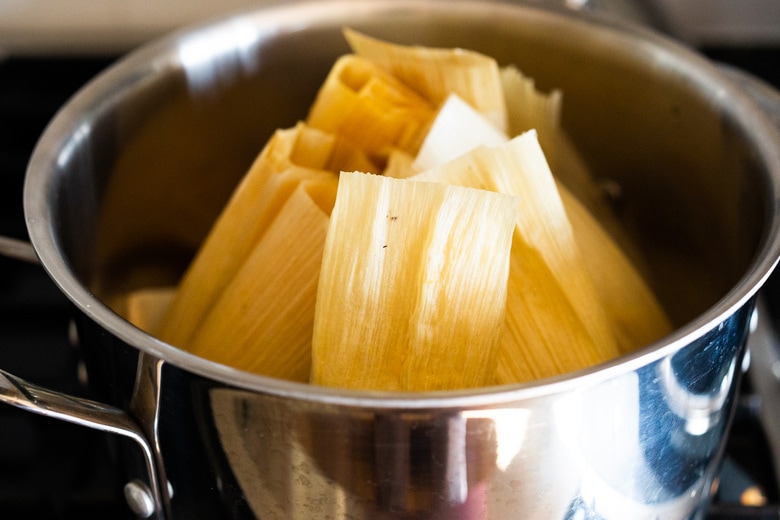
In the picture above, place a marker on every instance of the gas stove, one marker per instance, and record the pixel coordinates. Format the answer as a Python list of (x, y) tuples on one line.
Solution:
[(55, 470)]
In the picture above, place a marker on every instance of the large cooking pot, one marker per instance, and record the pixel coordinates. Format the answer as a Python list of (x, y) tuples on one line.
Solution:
[(127, 179)]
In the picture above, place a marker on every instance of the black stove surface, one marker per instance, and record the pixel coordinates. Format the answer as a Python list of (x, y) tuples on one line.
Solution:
[(55, 470)]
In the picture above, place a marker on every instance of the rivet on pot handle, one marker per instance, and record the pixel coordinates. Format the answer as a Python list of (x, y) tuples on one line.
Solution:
[(77, 410)]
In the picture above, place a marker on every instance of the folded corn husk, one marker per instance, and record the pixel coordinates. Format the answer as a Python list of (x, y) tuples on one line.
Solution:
[(530, 109), (438, 73), (636, 316), (292, 157), (146, 307), (262, 321), (370, 108), (551, 300), (413, 285)]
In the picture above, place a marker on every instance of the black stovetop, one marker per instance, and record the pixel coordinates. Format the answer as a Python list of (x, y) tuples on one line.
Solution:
[(55, 470)]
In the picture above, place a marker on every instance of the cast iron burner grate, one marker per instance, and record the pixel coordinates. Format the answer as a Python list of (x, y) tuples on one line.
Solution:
[(55, 470)]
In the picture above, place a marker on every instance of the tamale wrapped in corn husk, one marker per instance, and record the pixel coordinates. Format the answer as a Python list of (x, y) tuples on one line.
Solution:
[(530, 109), (489, 259), (413, 285), (554, 320), (457, 129), (303, 155), (262, 322), (636, 315), (369, 108), (634, 312), (437, 73), (146, 307), (399, 165)]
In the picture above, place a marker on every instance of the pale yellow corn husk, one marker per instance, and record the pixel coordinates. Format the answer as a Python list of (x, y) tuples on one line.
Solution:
[(457, 129), (146, 307), (262, 321), (369, 108), (575, 175), (530, 109), (413, 285), (246, 217), (436, 73), (309, 147), (636, 315), (400, 165), (555, 322)]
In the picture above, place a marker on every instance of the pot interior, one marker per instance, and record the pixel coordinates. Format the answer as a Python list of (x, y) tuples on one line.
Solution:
[(153, 148)]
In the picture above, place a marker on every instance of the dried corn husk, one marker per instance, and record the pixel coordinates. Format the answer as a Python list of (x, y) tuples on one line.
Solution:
[(400, 165), (531, 109), (636, 315), (262, 321), (554, 321), (146, 307), (438, 73), (370, 108), (457, 129), (413, 285), (291, 157)]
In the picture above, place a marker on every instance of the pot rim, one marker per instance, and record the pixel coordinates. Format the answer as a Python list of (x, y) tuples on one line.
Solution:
[(140, 64)]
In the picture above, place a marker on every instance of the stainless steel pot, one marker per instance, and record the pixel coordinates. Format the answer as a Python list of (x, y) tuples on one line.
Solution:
[(128, 177)]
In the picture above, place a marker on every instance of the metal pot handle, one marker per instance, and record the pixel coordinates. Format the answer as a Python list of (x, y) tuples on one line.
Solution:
[(18, 250), (145, 500)]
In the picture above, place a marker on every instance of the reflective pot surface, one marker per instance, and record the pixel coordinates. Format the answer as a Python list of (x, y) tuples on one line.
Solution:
[(127, 179)]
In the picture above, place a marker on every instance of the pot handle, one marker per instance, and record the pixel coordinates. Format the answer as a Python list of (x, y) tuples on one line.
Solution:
[(145, 500), (18, 249), (33, 398)]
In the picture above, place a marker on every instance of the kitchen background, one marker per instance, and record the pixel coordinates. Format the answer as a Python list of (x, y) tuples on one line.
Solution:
[(49, 48)]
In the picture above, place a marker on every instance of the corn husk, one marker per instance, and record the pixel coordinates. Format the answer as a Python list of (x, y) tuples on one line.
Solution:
[(370, 108), (400, 165), (292, 157), (636, 315), (262, 322), (554, 321), (413, 286), (634, 312), (530, 109), (438, 73), (146, 307), (457, 129)]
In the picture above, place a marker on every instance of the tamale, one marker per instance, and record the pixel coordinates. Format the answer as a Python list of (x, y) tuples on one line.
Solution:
[(247, 215), (369, 108), (262, 321), (146, 307), (528, 108), (457, 129), (436, 73), (634, 312), (554, 319), (636, 315), (413, 285)]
